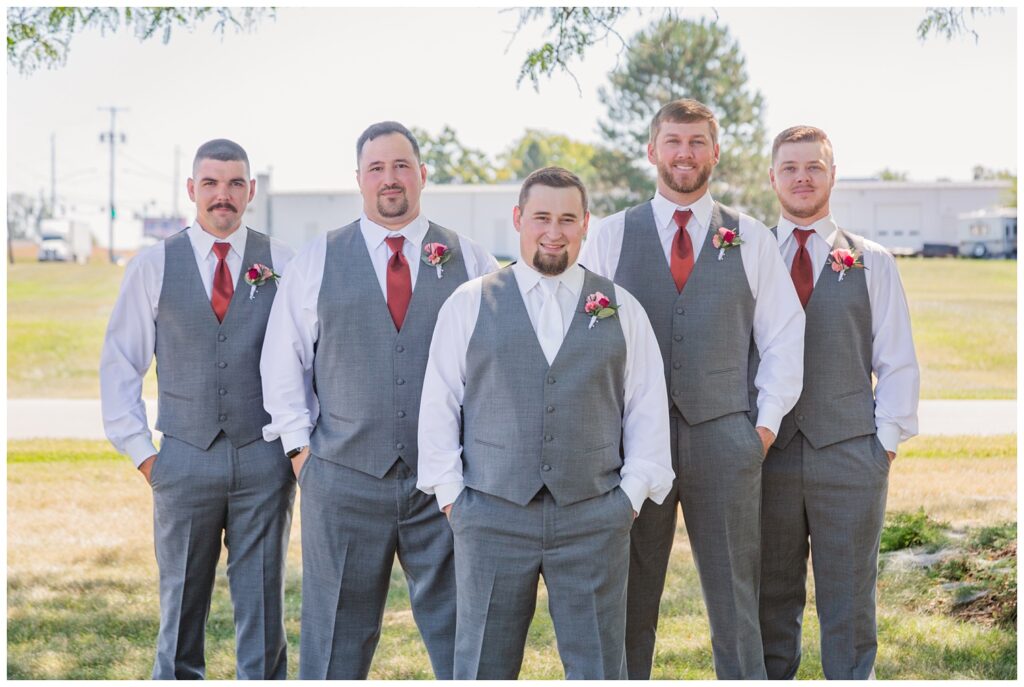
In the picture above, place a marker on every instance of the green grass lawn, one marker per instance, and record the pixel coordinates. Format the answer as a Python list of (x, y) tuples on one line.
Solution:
[(964, 316), (82, 603)]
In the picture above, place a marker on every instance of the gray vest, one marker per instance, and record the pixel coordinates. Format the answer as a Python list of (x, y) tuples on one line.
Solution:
[(368, 376), (706, 332), (837, 402), (209, 372), (528, 425)]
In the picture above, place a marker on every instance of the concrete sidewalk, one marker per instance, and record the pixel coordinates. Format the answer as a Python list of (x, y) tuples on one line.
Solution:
[(81, 418)]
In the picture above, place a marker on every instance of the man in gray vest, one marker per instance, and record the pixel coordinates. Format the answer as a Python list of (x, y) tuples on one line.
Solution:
[(343, 368), (554, 376), (826, 476), (188, 301), (718, 296)]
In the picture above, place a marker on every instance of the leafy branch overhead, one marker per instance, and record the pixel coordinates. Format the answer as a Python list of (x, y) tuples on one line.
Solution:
[(571, 31), (41, 36)]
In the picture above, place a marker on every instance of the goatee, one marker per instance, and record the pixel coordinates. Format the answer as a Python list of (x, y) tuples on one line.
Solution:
[(551, 265)]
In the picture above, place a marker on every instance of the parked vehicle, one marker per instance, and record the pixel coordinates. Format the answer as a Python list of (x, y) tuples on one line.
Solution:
[(988, 233), (64, 240)]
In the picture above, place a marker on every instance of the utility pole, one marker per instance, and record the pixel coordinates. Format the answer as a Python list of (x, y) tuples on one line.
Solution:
[(112, 137), (53, 174), (175, 192)]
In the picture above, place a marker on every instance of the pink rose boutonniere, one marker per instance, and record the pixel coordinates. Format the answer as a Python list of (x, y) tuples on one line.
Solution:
[(435, 255), (599, 307), (843, 260), (258, 275), (725, 239)]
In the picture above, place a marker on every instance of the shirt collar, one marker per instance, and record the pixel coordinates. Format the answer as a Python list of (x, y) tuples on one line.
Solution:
[(528, 278), (665, 208), (825, 228), (202, 241), (374, 234)]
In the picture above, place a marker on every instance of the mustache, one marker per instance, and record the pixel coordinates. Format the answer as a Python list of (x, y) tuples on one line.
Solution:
[(225, 206), (392, 187)]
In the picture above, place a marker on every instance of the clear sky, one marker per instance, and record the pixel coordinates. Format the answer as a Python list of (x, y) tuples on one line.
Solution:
[(297, 92)]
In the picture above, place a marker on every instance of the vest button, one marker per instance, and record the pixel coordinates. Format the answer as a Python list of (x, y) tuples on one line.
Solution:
[(221, 337), (551, 409), (401, 413), (680, 311), (549, 438), (675, 392), (676, 366), (222, 418), (800, 417), (677, 337), (222, 392), (399, 381), (400, 348), (545, 467), (222, 364), (399, 445), (551, 380)]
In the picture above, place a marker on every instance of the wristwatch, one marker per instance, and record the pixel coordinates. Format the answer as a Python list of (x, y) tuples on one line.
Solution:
[(295, 451)]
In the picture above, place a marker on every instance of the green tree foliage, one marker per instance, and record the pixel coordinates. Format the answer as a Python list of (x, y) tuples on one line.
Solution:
[(449, 161), (952, 21), (536, 149), (41, 36), (687, 59), (888, 174)]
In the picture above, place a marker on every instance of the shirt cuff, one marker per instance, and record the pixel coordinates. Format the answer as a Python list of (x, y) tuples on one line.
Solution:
[(139, 448), (290, 440), (889, 436), (447, 493), (769, 416), (636, 490)]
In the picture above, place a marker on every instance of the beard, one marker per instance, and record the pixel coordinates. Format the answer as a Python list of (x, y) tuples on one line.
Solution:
[(399, 208), (703, 175), (806, 211), (551, 265)]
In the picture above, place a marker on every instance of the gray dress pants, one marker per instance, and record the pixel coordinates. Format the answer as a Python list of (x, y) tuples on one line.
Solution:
[(246, 496), (501, 549), (718, 484), (830, 502), (353, 525)]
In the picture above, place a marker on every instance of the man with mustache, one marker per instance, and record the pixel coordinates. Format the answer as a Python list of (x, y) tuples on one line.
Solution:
[(719, 298), (557, 375), (826, 476), (186, 301), (343, 368)]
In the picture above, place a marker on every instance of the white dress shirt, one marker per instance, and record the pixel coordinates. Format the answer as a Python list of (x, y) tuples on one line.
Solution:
[(893, 360), (778, 316), (647, 468), (287, 362), (131, 334)]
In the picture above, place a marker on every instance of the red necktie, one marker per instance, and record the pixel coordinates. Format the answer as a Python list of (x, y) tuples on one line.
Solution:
[(681, 263), (801, 271), (399, 281), (223, 289)]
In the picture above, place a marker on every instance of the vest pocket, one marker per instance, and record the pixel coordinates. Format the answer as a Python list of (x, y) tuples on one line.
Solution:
[(596, 448), (847, 394), (489, 443), (339, 418), (178, 397), (725, 370)]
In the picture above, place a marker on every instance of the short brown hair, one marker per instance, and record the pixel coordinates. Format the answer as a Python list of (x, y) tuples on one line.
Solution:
[(802, 134), (685, 110), (557, 177)]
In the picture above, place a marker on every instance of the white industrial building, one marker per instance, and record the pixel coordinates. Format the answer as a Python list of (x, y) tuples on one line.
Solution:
[(901, 215)]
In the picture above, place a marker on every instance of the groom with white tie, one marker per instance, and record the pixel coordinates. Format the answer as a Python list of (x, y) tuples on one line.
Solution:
[(543, 430)]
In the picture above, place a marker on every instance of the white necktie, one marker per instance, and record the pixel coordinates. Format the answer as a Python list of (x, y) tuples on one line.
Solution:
[(549, 324)]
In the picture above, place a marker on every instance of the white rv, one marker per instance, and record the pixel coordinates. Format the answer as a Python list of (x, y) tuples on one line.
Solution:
[(988, 233)]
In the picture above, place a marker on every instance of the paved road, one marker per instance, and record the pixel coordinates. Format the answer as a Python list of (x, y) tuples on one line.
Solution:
[(81, 419)]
